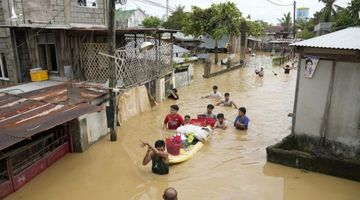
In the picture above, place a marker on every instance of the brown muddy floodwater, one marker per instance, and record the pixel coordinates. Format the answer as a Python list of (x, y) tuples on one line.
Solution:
[(232, 165)]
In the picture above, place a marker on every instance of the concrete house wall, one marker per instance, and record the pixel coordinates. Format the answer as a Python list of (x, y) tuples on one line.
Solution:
[(339, 122)]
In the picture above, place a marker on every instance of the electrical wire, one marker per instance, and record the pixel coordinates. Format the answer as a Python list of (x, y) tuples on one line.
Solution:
[(278, 4)]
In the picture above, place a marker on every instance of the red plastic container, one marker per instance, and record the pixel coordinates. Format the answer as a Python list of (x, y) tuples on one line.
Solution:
[(198, 122), (211, 122), (173, 145)]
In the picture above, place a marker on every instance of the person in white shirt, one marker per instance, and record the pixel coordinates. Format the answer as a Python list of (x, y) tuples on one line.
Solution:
[(220, 122), (215, 94)]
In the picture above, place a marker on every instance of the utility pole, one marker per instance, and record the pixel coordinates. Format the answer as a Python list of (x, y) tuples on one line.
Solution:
[(112, 70), (294, 26), (167, 9)]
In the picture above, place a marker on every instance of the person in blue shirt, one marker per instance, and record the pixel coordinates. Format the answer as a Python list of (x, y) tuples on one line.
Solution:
[(241, 122)]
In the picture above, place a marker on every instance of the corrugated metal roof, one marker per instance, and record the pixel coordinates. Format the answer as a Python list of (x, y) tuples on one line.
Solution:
[(344, 39), (22, 116), (178, 49)]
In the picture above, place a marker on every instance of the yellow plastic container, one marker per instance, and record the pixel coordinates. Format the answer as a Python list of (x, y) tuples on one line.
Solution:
[(39, 75)]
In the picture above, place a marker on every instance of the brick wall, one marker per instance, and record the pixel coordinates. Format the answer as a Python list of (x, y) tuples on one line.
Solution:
[(86, 15), (6, 47), (78, 14)]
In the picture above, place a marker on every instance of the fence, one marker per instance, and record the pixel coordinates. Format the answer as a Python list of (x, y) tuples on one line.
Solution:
[(132, 66)]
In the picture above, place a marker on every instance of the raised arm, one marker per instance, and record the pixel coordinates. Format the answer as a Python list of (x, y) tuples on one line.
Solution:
[(147, 157), (157, 152)]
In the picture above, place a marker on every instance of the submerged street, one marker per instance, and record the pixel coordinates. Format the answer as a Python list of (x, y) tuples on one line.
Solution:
[(232, 165)]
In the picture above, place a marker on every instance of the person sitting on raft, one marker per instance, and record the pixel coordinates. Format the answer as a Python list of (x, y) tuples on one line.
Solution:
[(215, 94), (158, 156), (220, 122), (227, 102), (173, 94), (173, 120), (241, 122)]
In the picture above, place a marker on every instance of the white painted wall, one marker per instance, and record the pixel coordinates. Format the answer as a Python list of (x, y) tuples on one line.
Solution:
[(344, 113), (96, 126), (344, 120), (136, 19), (312, 99)]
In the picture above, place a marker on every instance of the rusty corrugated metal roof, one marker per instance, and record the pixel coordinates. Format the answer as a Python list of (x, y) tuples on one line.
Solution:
[(22, 116)]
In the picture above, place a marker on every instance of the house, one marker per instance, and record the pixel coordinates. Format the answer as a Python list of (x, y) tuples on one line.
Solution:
[(184, 66), (323, 28), (188, 42), (129, 18), (63, 35), (276, 38), (325, 127)]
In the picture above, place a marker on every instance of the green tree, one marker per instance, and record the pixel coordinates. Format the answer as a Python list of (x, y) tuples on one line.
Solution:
[(285, 21), (354, 8), (343, 20), (218, 20), (151, 22), (329, 11), (177, 19), (255, 28)]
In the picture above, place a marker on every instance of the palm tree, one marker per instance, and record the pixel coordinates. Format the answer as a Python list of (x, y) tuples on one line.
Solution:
[(329, 10), (285, 21), (354, 8)]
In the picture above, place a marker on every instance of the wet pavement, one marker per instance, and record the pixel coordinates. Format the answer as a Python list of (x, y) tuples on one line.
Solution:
[(232, 165)]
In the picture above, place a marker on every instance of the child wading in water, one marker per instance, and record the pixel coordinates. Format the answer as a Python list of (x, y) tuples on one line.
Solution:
[(215, 94), (227, 102), (221, 122), (241, 122), (173, 120), (158, 156)]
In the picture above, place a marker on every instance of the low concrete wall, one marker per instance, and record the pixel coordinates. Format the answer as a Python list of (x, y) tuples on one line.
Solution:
[(88, 129), (289, 152)]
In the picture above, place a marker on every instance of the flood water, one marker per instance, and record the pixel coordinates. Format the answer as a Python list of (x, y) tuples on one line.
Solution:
[(232, 165)]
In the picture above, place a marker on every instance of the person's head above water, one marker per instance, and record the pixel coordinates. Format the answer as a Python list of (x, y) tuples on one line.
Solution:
[(160, 145), (227, 95), (174, 90), (174, 109), (170, 194), (187, 118), (220, 117), (215, 88), (210, 107), (242, 111)]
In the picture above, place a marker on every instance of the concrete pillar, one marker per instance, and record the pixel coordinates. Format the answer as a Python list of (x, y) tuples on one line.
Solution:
[(243, 30), (160, 89), (207, 68)]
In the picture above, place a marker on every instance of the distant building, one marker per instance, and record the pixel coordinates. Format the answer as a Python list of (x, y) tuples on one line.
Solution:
[(302, 13), (323, 28), (129, 18)]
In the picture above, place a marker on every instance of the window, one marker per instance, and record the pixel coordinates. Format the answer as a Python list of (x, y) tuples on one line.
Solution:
[(47, 56), (87, 3), (3, 68)]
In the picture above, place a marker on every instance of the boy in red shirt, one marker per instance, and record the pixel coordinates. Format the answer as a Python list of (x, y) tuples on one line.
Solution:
[(173, 120)]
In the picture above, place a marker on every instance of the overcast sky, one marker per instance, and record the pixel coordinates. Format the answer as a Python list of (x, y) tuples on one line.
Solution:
[(257, 9)]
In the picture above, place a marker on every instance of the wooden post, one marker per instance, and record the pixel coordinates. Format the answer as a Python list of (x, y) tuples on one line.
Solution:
[(112, 70)]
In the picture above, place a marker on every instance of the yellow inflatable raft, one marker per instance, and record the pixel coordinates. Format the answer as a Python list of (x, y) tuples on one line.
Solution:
[(185, 154)]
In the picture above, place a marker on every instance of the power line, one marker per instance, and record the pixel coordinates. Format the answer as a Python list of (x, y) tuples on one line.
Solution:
[(278, 3)]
